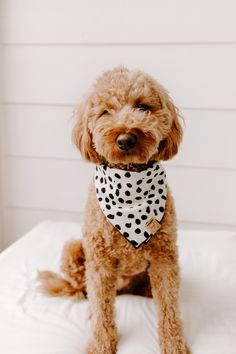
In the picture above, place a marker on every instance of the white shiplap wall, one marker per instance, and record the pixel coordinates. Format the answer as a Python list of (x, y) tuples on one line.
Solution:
[(54, 49), (1, 149)]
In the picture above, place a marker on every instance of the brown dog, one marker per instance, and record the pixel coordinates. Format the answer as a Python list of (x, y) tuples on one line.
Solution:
[(126, 125)]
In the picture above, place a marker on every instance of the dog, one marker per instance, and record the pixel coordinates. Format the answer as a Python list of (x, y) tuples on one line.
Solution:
[(125, 125)]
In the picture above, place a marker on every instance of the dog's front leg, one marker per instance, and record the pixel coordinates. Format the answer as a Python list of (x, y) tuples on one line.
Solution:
[(101, 279), (164, 277)]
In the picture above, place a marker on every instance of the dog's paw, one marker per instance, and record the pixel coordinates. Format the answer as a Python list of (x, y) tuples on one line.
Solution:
[(175, 348), (103, 347)]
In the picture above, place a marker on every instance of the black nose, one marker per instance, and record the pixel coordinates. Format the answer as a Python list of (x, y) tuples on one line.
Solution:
[(126, 141)]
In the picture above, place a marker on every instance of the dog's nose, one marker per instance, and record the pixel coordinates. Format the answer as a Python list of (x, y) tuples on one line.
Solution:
[(126, 141)]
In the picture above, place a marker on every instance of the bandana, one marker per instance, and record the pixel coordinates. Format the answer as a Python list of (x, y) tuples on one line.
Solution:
[(133, 202)]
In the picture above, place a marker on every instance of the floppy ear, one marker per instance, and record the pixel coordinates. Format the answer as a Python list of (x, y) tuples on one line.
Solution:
[(168, 147), (81, 135)]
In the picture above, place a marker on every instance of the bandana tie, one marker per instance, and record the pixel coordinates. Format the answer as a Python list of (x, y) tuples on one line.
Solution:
[(133, 202)]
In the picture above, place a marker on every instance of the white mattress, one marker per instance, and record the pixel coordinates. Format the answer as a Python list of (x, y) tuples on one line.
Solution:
[(31, 323)]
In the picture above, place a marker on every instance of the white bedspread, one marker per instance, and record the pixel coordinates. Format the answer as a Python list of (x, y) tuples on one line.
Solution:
[(31, 323)]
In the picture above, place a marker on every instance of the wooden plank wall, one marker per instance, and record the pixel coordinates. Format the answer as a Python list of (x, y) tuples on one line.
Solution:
[(52, 52)]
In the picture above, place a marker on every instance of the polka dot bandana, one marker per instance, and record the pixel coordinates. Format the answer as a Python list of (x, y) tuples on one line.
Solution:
[(131, 200)]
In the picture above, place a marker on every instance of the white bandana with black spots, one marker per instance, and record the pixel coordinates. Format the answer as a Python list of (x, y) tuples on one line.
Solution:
[(130, 199)]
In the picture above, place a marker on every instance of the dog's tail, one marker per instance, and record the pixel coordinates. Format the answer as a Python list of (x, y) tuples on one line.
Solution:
[(72, 265), (53, 284)]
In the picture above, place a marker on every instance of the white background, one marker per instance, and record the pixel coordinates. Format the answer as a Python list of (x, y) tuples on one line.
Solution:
[(54, 49)]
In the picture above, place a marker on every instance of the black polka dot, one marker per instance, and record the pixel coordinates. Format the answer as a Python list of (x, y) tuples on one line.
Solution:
[(128, 225), (111, 186), (117, 192), (127, 174), (101, 179), (157, 167), (110, 179), (121, 200), (163, 197), (160, 191), (97, 190), (130, 216), (161, 209), (107, 200), (149, 202), (161, 173), (110, 216), (137, 221), (119, 185), (153, 187), (111, 196), (129, 201), (138, 190), (146, 192), (117, 175), (151, 195), (149, 180), (148, 210), (129, 185), (127, 193), (117, 226), (157, 201), (103, 190), (155, 212), (146, 234), (137, 231), (96, 177), (113, 202), (126, 234), (144, 217), (99, 199), (149, 173), (134, 243), (161, 181), (139, 181), (138, 198), (108, 206), (119, 213)]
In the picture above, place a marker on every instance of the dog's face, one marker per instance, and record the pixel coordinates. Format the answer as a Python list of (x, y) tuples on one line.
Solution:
[(127, 118)]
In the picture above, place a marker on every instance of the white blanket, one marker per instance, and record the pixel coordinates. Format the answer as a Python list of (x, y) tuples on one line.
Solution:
[(31, 323)]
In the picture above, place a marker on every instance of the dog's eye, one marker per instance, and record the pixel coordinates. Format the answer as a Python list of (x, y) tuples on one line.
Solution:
[(143, 107), (104, 113)]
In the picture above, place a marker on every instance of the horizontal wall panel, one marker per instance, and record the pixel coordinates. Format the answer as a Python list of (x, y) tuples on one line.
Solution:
[(124, 21), (47, 184), (39, 131), (19, 221), (208, 140), (199, 76), (202, 195), (45, 131)]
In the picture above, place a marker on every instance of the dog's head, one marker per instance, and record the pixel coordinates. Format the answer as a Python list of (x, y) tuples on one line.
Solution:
[(127, 118)]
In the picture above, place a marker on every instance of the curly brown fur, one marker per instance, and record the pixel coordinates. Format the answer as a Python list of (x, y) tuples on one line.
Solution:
[(124, 102)]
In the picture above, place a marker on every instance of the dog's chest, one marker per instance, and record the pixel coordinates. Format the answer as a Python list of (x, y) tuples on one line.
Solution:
[(129, 264)]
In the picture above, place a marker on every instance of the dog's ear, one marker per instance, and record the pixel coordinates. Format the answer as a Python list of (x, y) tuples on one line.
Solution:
[(81, 136), (168, 147)]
